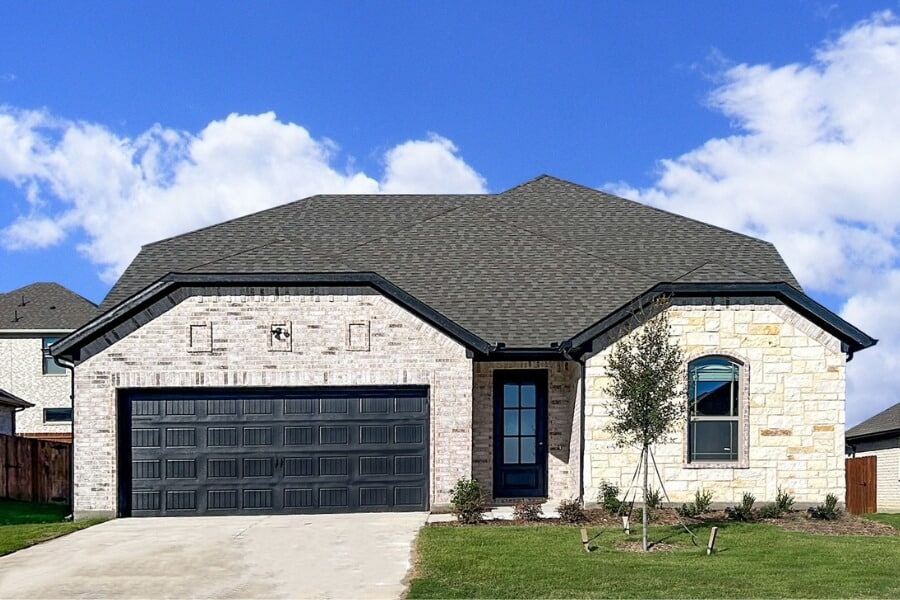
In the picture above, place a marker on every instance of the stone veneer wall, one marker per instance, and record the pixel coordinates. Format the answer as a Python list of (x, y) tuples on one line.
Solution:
[(339, 336), (795, 438), (22, 374), (563, 416)]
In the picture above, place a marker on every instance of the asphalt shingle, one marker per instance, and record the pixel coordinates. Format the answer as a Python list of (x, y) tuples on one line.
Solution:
[(884, 422), (44, 306)]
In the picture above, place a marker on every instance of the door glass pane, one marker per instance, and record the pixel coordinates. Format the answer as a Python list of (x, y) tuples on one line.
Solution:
[(510, 395), (528, 451), (510, 422), (529, 394), (528, 425), (510, 450)]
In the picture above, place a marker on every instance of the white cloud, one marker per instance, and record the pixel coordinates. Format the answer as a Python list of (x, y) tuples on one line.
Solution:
[(813, 167), (120, 193)]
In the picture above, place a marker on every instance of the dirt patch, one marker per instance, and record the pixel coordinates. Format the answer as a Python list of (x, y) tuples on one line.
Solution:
[(653, 547), (845, 524)]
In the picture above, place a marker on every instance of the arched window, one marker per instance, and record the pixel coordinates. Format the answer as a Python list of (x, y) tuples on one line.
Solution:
[(714, 410)]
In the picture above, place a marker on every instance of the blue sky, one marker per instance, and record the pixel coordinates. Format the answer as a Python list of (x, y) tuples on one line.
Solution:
[(121, 123)]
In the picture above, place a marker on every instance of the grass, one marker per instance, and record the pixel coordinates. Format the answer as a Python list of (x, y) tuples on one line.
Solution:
[(752, 561), (888, 519), (24, 524)]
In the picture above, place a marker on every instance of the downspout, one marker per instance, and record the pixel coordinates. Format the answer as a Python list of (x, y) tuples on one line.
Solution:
[(565, 349), (70, 366)]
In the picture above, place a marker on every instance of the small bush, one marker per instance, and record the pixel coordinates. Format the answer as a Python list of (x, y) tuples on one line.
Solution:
[(828, 511), (783, 504), (608, 499), (467, 501), (571, 511), (528, 510), (654, 500), (743, 511), (700, 505)]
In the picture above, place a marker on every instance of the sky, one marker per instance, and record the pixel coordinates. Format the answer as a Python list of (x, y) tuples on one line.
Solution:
[(125, 123)]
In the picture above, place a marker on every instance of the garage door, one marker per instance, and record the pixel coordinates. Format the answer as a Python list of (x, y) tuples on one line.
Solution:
[(217, 452)]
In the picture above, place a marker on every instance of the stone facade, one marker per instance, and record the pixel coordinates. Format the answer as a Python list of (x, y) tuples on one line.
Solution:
[(793, 429), (21, 374), (339, 336), (563, 426)]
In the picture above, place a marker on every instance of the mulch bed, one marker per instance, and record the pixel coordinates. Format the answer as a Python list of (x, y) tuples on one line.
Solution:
[(845, 524)]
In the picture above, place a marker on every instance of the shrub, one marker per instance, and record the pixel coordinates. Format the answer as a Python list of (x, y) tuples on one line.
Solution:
[(608, 499), (528, 510), (827, 511), (784, 502), (654, 500), (700, 505), (743, 511), (571, 511), (467, 502)]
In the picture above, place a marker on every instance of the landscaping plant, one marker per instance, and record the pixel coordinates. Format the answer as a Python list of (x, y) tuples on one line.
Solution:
[(743, 511), (467, 501), (828, 511), (700, 505), (528, 510), (646, 376), (571, 511), (608, 499), (783, 504)]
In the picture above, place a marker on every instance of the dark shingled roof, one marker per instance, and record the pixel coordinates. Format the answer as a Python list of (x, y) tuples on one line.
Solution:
[(7, 399), (884, 422), (44, 306), (526, 267)]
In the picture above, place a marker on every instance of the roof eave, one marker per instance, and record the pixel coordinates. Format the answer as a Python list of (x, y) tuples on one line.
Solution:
[(854, 338)]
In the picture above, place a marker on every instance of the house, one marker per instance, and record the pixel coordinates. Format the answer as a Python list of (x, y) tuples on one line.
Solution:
[(879, 436), (364, 353), (32, 318), (9, 406)]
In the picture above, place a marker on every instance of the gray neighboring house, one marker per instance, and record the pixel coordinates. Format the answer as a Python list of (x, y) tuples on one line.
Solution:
[(9, 406), (879, 436), (363, 353), (32, 318)]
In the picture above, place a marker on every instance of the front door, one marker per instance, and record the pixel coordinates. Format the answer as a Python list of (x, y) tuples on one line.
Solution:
[(520, 433)]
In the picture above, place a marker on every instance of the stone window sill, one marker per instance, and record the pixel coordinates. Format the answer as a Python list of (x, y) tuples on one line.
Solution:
[(716, 465)]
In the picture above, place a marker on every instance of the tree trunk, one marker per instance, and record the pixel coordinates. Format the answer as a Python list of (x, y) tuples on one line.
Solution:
[(646, 514)]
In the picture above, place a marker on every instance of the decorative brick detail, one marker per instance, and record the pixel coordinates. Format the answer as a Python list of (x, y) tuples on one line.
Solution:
[(403, 350), (772, 432)]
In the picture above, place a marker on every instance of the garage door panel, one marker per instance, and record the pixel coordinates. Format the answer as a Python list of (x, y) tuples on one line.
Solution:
[(277, 451)]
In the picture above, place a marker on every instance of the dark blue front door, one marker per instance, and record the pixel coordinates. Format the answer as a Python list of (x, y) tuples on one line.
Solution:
[(520, 433)]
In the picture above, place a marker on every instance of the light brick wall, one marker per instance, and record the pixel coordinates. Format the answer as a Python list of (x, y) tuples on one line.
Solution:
[(887, 476), (21, 374), (403, 350), (795, 372), (563, 415)]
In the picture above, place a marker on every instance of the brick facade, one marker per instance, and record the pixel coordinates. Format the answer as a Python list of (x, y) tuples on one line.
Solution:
[(225, 340), (794, 431), (21, 374)]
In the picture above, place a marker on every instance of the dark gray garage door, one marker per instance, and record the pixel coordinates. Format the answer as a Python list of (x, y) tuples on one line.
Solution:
[(263, 451)]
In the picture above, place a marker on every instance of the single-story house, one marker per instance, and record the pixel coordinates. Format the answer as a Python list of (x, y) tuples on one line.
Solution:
[(31, 318), (364, 353), (879, 436), (9, 406)]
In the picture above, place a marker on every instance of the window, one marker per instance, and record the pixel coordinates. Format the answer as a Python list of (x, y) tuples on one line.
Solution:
[(714, 410), (57, 415), (50, 366)]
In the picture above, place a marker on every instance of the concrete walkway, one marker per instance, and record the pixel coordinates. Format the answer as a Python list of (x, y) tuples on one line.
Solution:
[(321, 556)]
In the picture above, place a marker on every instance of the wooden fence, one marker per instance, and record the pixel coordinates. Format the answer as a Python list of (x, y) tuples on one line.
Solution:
[(35, 470)]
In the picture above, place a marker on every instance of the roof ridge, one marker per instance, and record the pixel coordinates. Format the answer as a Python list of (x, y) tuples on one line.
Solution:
[(721, 264), (396, 231)]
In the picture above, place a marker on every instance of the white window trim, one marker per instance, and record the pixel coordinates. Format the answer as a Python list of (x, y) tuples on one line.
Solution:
[(743, 461)]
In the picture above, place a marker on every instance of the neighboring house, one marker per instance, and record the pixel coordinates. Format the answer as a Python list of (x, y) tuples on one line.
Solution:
[(9, 406), (32, 318), (879, 436), (362, 353)]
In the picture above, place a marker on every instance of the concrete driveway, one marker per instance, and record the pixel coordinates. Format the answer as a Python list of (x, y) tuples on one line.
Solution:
[(321, 556)]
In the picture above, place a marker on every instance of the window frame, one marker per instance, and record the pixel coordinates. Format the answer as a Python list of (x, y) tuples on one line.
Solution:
[(743, 417), (58, 408), (47, 360)]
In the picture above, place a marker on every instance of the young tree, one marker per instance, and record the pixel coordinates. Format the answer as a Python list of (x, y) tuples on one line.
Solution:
[(645, 371)]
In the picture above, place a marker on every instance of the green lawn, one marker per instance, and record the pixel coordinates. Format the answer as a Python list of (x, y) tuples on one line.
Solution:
[(751, 561), (890, 519), (24, 524)]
